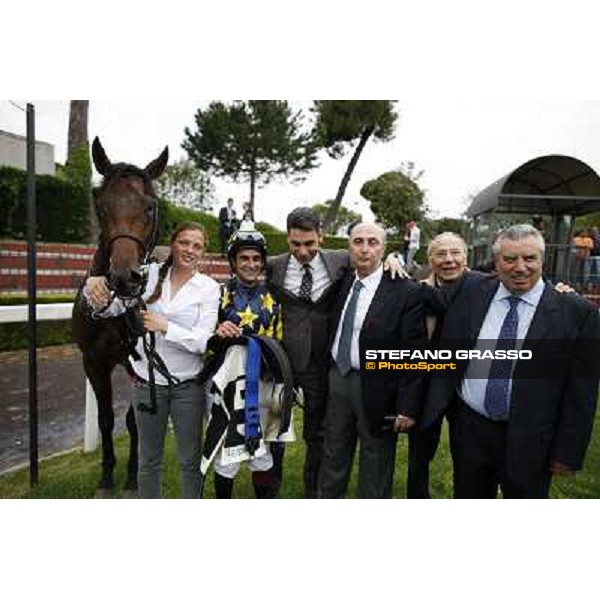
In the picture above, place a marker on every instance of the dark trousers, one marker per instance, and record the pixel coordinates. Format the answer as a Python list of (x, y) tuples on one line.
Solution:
[(478, 447), (345, 424), (422, 446), (313, 382)]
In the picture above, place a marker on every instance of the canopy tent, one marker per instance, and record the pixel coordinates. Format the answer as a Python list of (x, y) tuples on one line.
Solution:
[(547, 185)]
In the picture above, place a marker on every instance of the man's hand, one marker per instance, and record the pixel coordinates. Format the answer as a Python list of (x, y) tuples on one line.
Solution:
[(227, 329), (563, 288), (395, 266), (97, 291), (154, 321), (403, 423), (560, 469)]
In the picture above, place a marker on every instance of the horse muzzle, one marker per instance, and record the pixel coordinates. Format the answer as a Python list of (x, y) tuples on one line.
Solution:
[(127, 284)]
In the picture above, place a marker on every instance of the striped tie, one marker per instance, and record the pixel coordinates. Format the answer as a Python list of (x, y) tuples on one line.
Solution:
[(496, 392)]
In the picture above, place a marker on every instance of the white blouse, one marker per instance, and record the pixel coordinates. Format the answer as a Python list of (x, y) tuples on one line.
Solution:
[(192, 315)]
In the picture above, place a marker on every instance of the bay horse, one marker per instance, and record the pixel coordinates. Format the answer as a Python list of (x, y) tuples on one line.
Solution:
[(127, 209)]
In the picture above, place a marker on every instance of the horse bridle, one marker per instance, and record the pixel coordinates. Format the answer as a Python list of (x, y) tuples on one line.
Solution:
[(146, 245)]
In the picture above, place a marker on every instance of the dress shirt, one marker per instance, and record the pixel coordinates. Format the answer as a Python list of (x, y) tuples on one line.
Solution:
[(472, 390), (370, 283), (295, 272), (414, 240), (192, 316)]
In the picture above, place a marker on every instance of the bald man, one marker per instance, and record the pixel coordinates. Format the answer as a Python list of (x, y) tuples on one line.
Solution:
[(372, 310)]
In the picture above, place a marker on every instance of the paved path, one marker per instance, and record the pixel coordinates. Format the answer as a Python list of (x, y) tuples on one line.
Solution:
[(61, 403)]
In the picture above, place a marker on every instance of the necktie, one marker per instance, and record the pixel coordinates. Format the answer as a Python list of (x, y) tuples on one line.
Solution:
[(496, 392), (306, 285), (343, 354)]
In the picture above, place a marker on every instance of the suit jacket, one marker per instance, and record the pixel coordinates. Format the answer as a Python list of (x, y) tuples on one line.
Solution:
[(550, 418), (395, 317), (306, 325), (224, 221)]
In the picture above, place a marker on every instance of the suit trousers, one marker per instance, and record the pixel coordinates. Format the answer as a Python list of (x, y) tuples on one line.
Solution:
[(345, 424), (422, 446), (478, 447), (185, 405), (313, 381)]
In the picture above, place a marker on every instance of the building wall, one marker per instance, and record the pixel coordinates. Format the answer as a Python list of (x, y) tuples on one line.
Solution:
[(13, 153)]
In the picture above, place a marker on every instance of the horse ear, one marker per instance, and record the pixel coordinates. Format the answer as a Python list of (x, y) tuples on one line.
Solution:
[(158, 165), (99, 157)]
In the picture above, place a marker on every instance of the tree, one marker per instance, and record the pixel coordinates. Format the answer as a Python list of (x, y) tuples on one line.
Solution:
[(396, 197), (78, 168), (252, 141), (343, 219), (340, 123), (184, 184)]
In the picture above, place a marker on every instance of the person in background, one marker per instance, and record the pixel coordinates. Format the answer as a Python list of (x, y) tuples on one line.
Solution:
[(181, 310), (247, 215), (414, 243), (583, 246), (227, 219), (594, 234)]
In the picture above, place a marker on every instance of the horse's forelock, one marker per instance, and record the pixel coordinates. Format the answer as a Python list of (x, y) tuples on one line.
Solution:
[(121, 170)]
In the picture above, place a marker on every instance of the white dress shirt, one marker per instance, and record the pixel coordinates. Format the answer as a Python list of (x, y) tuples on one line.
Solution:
[(295, 272), (367, 293), (192, 316), (414, 240), (472, 389)]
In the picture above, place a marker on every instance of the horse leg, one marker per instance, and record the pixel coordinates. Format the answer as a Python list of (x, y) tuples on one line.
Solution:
[(132, 464), (101, 382)]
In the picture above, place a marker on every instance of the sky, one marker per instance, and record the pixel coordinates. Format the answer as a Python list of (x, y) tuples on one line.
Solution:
[(462, 145)]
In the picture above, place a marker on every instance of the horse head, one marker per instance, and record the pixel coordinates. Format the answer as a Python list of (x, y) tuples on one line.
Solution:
[(127, 209)]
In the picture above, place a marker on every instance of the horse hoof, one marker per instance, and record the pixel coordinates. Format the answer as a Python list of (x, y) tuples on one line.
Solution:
[(104, 493), (129, 495)]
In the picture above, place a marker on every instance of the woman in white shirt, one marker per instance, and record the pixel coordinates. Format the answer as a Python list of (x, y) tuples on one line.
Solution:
[(182, 310)]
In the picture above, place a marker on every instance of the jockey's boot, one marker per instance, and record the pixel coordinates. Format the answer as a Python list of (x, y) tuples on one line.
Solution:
[(223, 487)]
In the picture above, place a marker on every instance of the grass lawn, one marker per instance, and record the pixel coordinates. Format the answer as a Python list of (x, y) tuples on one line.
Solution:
[(75, 475)]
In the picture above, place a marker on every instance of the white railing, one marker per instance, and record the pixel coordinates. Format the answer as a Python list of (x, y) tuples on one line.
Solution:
[(54, 312)]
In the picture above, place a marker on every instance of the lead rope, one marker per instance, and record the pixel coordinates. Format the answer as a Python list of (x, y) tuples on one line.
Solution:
[(155, 361)]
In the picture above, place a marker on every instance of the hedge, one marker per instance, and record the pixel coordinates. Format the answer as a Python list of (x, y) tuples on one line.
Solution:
[(62, 208), (15, 336)]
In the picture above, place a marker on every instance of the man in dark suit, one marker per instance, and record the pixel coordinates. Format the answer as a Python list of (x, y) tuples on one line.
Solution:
[(226, 224), (373, 311), (306, 282), (509, 427), (447, 257)]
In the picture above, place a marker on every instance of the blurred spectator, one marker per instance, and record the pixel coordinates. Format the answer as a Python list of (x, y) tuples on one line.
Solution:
[(595, 254), (582, 247)]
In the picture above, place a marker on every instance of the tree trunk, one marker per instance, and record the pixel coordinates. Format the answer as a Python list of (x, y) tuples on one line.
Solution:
[(78, 138), (78, 126), (252, 188), (335, 205)]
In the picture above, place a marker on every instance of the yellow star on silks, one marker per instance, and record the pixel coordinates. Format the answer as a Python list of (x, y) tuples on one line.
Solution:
[(226, 301), (268, 302), (247, 317)]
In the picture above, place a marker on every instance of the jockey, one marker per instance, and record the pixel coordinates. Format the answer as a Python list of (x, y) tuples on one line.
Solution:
[(247, 309)]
